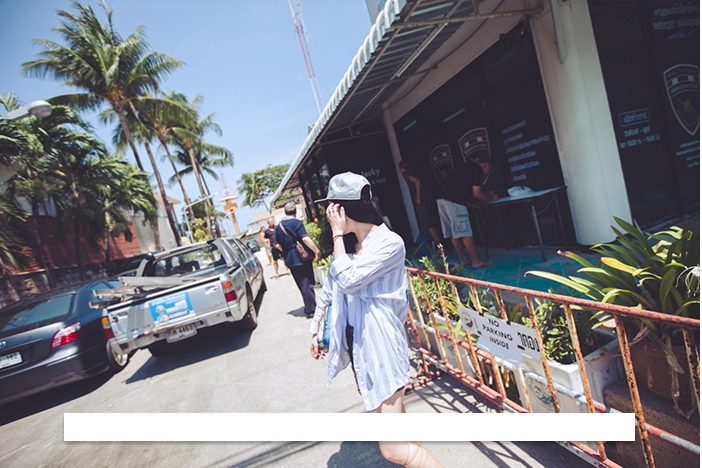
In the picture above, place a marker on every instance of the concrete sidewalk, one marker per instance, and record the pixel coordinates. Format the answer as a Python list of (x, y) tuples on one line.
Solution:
[(444, 395)]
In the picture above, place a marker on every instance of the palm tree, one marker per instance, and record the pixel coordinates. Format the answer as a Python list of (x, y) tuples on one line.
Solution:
[(75, 172), (22, 145), (129, 191), (15, 138), (139, 122), (76, 168), (83, 175), (12, 255), (205, 155), (156, 116), (249, 185), (97, 60), (194, 152)]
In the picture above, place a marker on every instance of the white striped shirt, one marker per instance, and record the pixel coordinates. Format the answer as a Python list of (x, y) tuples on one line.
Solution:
[(369, 292)]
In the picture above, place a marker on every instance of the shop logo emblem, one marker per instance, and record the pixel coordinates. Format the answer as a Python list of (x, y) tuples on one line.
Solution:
[(441, 162), (683, 86), (475, 144)]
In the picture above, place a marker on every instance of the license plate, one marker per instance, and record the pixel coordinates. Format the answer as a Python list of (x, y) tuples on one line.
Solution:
[(10, 360), (179, 333)]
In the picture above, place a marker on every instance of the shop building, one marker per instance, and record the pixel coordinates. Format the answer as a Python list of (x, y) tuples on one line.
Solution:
[(600, 97)]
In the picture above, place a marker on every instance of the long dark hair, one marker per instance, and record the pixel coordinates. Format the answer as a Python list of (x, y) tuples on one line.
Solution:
[(350, 241), (362, 211)]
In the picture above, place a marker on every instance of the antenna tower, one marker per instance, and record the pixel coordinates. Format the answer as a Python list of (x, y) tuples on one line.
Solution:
[(301, 31)]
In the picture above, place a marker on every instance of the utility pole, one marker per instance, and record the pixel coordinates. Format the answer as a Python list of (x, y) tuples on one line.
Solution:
[(301, 31)]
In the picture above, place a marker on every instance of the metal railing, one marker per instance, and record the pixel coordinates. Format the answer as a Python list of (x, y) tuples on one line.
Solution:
[(488, 373)]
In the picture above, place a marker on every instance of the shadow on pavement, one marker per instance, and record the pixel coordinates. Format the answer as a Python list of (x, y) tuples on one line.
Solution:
[(33, 404), (356, 454), (298, 313), (350, 455), (277, 454), (208, 343), (546, 454), (445, 397)]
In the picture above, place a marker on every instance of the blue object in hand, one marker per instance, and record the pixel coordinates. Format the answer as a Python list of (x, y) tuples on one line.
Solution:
[(324, 331)]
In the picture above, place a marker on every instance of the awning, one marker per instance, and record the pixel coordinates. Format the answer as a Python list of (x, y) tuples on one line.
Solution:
[(402, 40)]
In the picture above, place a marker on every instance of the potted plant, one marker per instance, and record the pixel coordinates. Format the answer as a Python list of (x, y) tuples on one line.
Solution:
[(599, 349), (657, 272), (319, 232), (433, 303)]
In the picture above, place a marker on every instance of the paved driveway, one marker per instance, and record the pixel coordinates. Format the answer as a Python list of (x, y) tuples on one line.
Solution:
[(227, 370)]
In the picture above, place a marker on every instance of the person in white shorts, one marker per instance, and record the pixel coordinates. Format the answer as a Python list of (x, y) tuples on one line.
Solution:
[(463, 186)]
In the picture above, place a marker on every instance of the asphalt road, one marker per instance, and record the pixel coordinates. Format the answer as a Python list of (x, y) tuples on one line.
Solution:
[(226, 370)]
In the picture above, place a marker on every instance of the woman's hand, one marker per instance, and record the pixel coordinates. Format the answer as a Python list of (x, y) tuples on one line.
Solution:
[(337, 218), (316, 349)]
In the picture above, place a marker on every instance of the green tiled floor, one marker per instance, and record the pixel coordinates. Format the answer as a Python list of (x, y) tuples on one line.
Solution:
[(511, 265)]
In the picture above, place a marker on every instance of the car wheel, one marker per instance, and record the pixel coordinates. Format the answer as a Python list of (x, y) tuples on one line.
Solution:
[(250, 320), (116, 361), (159, 349), (263, 287)]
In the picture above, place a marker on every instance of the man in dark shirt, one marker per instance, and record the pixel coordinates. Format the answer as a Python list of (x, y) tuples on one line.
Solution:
[(424, 203), (463, 187), (301, 271), (273, 242)]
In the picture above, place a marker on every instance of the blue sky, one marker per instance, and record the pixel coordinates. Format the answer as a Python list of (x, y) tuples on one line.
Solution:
[(243, 57)]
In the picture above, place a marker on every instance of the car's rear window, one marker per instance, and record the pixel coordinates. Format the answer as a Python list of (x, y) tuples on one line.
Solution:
[(32, 312), (188, 262)]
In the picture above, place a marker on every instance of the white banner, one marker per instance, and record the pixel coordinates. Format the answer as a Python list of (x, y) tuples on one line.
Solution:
[(332, 427)]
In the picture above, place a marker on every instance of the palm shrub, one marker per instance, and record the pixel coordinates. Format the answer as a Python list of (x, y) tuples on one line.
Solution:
[(657, 272)]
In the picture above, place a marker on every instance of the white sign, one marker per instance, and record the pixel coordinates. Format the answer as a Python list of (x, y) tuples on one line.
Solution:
[(500, 338)]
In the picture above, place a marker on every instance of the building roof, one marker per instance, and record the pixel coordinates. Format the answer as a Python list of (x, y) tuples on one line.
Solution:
[(399, 47), (171, 200)]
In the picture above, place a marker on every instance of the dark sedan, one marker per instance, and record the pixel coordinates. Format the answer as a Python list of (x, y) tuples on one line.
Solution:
[(53, 339)]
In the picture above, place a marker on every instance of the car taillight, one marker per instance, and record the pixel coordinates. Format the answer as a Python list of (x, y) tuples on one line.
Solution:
[(106, 328), (229, 291), (67, 335)]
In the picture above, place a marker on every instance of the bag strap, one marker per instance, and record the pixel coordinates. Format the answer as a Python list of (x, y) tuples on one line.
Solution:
[(286, 232)]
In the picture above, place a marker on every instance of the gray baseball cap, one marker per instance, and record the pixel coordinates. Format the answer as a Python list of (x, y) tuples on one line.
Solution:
[(346, 186)]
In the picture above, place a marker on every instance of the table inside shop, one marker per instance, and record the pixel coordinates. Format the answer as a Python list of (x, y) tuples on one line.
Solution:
[(529, 200)]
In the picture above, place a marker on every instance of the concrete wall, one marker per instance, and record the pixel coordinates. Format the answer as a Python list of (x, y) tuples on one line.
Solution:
[(24, 285), (582, 124)]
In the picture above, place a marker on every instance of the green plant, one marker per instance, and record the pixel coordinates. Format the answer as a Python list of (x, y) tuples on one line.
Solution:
[(320, 233), (199, 233), (553, 327), (658, 272), (436, 265), (324, 263)]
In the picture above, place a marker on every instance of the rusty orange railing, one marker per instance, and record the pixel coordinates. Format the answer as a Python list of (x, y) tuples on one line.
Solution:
[(489, 370)]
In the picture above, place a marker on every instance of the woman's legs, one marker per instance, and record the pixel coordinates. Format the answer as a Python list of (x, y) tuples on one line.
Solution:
[(409, 454)]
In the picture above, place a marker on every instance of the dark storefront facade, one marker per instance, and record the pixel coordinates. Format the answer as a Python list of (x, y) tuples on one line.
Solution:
[(369, 156), (649, 53), (602, 98), (494, 107)]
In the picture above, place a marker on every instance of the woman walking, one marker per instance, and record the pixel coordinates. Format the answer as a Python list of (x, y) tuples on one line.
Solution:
[(368, 291)]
